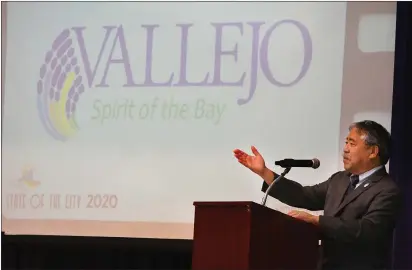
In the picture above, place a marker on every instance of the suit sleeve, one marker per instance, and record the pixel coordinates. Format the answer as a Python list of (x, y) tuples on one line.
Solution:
[(376, 223), (294, 194)]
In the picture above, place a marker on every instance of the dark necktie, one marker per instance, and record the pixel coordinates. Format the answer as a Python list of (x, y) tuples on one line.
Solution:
[(354, 180)]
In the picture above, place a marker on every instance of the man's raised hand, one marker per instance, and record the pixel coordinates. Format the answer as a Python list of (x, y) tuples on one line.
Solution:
[(254, 162)]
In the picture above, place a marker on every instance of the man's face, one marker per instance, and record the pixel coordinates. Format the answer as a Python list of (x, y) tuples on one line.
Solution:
[(357, 154)]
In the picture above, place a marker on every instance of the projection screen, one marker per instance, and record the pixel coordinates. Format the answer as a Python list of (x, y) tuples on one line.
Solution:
[(116, 117)]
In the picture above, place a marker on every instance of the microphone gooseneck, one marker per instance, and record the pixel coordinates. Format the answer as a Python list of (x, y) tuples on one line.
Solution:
[(272, 184)]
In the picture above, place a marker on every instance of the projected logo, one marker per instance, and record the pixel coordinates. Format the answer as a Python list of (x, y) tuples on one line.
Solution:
[(27, 178), (62, 81), (59, 87)]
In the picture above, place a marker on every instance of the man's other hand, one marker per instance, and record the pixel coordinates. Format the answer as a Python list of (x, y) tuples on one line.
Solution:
[(309, 218)]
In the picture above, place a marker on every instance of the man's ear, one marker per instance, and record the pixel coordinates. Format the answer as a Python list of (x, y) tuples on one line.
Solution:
[(374, 152)]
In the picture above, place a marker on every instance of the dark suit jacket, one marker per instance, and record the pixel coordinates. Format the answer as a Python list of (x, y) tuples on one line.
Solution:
[(356, 230)]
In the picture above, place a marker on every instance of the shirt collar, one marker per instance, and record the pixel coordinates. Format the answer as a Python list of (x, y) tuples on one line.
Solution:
[(369, 173)]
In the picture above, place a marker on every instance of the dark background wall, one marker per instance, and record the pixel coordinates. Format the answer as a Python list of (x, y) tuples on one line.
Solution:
[(65, 252), (401, 157), (58, 252)]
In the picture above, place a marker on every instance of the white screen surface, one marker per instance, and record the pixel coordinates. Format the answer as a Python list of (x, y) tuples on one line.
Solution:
[(143, 120)]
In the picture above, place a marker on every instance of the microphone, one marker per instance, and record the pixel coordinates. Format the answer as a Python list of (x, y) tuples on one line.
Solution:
[(289, 163)]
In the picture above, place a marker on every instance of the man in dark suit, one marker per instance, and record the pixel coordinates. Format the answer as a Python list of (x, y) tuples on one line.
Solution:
[(361, 204)]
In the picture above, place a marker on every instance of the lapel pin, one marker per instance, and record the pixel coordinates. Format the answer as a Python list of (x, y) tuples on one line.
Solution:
[(367, 184)]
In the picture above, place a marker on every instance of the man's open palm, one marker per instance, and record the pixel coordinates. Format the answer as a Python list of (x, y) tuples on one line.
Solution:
[(255, 163)]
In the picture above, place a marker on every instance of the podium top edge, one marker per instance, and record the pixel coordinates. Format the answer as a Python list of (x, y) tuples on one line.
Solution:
[(224, 203)]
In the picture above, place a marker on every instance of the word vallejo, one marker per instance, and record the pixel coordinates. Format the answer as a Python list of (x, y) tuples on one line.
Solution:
[(259, 61)]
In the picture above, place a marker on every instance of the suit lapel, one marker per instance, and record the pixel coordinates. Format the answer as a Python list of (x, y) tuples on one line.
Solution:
[(369, 182), (340, 194)]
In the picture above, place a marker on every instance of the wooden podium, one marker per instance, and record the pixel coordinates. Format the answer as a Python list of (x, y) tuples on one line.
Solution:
[(247, 235)]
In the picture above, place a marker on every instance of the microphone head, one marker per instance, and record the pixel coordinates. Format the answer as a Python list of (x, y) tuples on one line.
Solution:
[(316, 163)]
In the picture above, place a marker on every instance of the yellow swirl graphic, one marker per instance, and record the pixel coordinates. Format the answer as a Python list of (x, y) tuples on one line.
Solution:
[(58, 117)]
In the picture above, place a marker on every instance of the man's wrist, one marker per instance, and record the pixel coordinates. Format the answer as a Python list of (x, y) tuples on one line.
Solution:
[(268, 175)]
